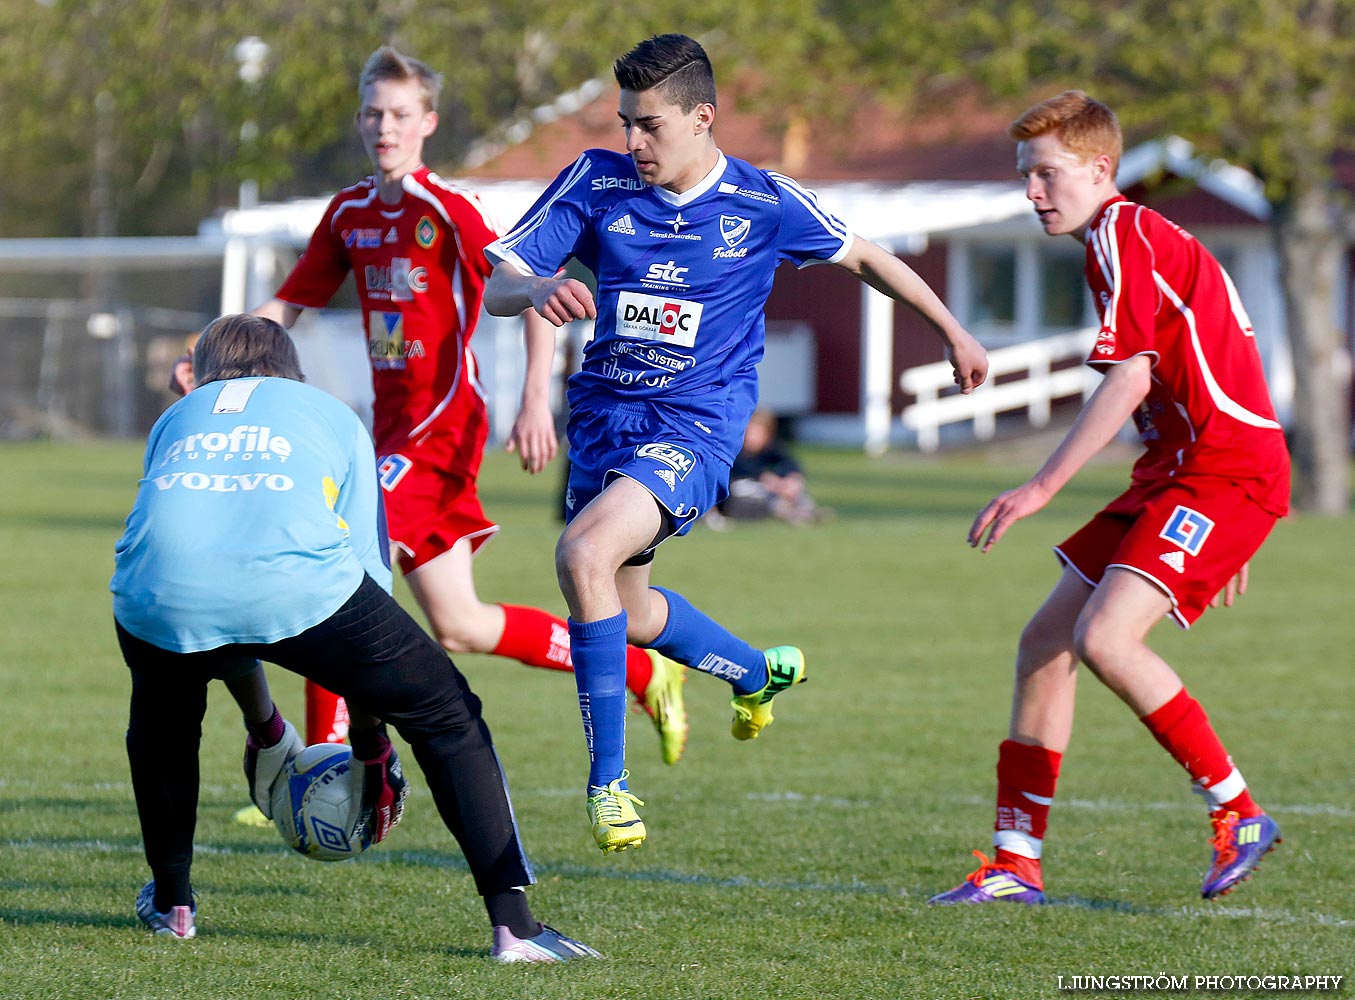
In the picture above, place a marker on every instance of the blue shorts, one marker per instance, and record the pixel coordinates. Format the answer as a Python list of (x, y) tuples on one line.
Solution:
[(632, 440)]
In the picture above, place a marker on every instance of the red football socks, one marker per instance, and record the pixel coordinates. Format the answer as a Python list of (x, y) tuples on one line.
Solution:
[(326, 716), (1183, 729), (1026, 779), (539, 639)]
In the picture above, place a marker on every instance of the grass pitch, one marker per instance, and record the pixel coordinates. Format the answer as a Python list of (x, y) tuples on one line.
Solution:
[(794, 866)]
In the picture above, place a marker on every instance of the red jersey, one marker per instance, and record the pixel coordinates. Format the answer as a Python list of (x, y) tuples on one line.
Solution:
[(1208, 411), (420, 270)]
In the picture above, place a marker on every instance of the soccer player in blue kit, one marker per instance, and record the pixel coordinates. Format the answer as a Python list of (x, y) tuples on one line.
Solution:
[(683, 241)]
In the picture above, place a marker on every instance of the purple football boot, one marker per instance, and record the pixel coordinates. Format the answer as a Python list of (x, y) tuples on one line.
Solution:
[(1239, 845), (990, 883)]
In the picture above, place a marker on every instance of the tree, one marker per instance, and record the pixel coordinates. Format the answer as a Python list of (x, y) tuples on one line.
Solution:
[(143, 100), (126, 116), (1269, 86)]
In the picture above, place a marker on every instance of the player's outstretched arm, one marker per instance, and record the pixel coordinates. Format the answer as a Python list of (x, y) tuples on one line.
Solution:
[(283, 313), (887, 274), (533, 434), (1115, 399), (559, 300)]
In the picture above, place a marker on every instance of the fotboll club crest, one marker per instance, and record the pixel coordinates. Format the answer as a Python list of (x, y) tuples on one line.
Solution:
[(734, 230)]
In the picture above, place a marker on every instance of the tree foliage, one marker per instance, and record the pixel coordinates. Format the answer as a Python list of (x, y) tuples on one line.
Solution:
[(130, 116), (1268, 86)]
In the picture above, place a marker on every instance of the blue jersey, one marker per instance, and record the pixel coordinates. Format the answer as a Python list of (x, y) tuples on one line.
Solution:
[(255, 520), (681, 281)]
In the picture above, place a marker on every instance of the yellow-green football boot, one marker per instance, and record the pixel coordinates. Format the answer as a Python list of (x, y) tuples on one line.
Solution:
[(611, 810), (664, 705), (753, 712)]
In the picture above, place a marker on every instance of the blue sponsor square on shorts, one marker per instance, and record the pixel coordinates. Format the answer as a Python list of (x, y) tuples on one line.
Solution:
[(1188, 529)]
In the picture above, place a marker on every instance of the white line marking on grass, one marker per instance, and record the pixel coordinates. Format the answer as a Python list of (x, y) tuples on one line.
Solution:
[(1262, 913), (814, 800), (657, 875), (793, 797), (1191, 804), (211, 791), (105, 847)]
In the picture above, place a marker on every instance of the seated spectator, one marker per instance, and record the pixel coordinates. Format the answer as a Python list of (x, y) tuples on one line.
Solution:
[(766, 481)]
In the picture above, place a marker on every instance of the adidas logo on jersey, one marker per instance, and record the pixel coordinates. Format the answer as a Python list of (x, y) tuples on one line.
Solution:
[(1176, 560), (668, 476), (623, 225)]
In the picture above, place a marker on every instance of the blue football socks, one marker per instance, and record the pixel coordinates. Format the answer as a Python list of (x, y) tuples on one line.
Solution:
[(599, 653), (704, 644)]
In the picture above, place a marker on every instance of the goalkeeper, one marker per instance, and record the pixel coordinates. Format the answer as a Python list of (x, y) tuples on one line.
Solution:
[(257, 534)]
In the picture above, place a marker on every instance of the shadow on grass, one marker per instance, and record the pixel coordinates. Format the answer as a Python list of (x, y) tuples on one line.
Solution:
[(1104, 905), (64, 918), (455, 862), (452, 861), (657, 876), (75, 918), (47, 521)]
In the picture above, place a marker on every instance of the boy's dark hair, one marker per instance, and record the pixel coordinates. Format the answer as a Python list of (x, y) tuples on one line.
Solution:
[(674, 63), (244, 346)]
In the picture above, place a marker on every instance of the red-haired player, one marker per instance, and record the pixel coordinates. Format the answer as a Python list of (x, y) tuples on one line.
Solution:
[(1178, 355)]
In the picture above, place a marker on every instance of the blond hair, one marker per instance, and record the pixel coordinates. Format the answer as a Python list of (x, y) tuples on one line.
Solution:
[(388, 64), (1084, 125)]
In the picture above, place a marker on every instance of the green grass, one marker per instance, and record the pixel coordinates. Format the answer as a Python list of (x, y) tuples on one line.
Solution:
[(795, 866)]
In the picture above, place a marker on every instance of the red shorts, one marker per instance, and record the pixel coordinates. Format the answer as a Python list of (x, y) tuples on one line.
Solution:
[(1189, 538), (429, 488)]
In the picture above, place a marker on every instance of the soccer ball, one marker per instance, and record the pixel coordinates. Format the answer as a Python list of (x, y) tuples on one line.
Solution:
[(316, 803)]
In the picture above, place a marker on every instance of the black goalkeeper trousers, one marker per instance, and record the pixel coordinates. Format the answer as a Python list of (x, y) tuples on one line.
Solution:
[(377, 657)]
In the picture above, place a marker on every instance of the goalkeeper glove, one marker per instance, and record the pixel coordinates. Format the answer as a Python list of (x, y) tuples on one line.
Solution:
[(264, 764), (383, 794)]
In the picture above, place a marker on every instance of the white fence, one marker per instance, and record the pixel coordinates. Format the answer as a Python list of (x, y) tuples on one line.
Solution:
[(1035, 393)]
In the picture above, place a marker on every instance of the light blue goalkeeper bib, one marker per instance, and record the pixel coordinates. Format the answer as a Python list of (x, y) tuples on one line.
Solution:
[(256, 518)]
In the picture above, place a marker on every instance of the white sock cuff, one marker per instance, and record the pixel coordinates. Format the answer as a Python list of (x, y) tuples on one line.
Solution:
[(1223, 791), (1016, 842)]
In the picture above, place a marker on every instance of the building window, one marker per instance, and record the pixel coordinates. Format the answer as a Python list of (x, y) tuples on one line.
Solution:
[(993, 302), (1008, 292), (1064, 300)]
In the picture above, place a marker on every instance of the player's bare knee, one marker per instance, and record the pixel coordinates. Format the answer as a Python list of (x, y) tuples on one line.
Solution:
[(578, 559), (1096, 644), (470, 630), (642, 628), (1040, 646)]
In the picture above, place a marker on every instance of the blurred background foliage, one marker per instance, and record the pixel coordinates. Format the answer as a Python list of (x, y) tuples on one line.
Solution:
[(141, 117)]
